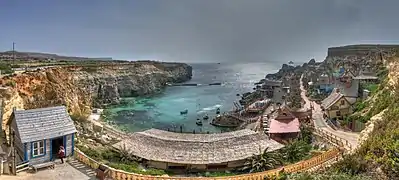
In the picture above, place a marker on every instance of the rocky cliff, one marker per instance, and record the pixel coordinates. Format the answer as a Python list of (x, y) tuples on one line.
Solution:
[(80, 88)]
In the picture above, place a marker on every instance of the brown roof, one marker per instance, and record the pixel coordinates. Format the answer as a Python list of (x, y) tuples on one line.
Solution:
[(331, 99), (164, 146)]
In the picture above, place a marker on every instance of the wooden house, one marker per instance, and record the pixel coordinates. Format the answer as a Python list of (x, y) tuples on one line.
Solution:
[(37, 134), (284, 126), (336, 105)]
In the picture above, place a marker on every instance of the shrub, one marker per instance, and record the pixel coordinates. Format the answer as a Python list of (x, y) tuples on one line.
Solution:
[(11, 83), (6, 68)]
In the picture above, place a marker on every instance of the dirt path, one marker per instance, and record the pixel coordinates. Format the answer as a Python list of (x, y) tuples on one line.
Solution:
[(319, 121)]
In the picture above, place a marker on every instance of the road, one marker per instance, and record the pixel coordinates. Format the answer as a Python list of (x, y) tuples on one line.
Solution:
[(319, 121)]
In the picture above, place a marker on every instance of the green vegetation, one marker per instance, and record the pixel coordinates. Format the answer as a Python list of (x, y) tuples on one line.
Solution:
[(5, 68), (295, 151), (218, 174), (122, 159), (323, 176), (265, 161), (90, 69), (381, 149), (359, 106), (11, 83)]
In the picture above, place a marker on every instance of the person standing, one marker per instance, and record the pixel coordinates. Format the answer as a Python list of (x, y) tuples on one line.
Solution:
[(61, 154)]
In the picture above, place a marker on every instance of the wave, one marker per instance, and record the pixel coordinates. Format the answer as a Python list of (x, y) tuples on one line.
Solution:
[(210, 108)]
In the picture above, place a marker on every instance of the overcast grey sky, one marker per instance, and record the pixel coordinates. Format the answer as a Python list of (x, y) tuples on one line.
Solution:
[(197, 30)]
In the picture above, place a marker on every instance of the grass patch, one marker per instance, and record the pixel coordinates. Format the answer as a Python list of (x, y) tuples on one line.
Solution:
[(116, 160)]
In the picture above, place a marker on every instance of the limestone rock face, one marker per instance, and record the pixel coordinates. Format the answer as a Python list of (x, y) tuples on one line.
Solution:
[(79, 88)]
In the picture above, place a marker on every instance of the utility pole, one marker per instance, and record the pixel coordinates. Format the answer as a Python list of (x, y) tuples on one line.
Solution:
[(13, 51)]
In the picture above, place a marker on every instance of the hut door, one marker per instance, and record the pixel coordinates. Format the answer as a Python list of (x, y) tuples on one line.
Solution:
[(55, 146)]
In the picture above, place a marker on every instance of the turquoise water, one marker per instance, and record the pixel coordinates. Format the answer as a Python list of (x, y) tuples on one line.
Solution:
[(162, 111)]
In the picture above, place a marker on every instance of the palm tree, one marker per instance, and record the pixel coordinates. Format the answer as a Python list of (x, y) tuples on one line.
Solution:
[(126, 155), (263, 162), (295, 151)]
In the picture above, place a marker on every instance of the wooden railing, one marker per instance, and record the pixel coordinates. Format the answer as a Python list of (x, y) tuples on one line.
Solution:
[(316, 161), (297, 167)]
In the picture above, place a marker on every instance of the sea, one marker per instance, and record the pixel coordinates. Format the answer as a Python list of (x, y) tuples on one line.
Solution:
[(162, 111)]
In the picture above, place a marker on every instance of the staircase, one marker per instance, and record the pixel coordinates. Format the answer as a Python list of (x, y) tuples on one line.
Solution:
[(265, 123)]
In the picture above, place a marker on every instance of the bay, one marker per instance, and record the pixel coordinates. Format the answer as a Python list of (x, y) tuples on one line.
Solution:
[(162, 111)]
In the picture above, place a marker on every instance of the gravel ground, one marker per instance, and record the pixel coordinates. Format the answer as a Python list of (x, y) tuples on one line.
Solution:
[(73, 170)]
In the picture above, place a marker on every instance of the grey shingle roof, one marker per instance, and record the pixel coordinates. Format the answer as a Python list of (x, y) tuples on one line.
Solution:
[(331, 99), (164, 146), (43, 123)]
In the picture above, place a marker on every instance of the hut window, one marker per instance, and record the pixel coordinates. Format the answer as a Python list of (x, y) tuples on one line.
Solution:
[(38, 148)]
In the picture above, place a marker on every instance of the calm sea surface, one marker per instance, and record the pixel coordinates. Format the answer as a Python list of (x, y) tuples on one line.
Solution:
[(162, 111)]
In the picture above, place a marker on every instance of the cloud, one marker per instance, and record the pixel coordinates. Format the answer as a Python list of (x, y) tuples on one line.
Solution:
[(215, 30)]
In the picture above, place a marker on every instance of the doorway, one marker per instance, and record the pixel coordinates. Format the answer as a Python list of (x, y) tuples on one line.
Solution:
[(55, 146)]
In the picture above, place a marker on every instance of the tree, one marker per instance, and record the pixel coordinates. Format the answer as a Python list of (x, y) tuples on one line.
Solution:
[(306, 134), (295, 151), (126, 155), (263, 162)]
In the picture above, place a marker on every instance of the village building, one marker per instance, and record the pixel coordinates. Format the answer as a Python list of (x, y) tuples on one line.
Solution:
[(366, 76), (37, 134), (336, 105), (285, 125), (324, 84), (270, 87), (197, 152)]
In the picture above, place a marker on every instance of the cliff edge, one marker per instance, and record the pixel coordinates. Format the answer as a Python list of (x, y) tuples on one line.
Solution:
[(80, 88)]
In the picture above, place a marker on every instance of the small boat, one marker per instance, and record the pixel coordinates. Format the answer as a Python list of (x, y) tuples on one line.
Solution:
[(199, 123), (206, 117), (213, 84), (218, 111), (183, 112)]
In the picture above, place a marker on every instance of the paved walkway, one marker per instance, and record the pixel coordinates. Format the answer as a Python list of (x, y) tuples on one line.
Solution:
[(73, 170), (319, 121)]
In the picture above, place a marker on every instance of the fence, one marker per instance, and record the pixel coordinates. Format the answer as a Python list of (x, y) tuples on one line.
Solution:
[(22, 166), (297, 167)]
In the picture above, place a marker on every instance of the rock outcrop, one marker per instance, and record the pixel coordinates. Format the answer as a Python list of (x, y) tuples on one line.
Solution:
[(79, 88)]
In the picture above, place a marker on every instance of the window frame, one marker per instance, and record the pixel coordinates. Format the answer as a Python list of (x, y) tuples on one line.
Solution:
[(338, 113), (342, 102), (38, 148)]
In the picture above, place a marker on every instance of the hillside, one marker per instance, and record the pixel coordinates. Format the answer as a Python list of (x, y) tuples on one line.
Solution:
[(358, 50), (9, 55), (378, 153)]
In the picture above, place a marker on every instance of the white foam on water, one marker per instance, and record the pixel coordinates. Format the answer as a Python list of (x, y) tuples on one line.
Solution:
[(211, 108)]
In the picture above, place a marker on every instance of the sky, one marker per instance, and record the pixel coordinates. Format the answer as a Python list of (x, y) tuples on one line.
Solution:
[(276, 31)]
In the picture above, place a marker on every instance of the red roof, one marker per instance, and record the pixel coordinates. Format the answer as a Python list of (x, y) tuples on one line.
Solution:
[(284, 126)]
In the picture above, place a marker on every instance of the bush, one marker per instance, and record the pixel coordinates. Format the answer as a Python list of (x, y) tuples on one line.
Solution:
[(351, 165), (6, 68), (359, 105), (326, 176), (11, 83)]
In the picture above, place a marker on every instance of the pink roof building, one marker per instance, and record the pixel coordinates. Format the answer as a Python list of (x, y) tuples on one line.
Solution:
[(285, 126)]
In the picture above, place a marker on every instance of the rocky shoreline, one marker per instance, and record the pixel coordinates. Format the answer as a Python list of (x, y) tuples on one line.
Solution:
[(82, 87)]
